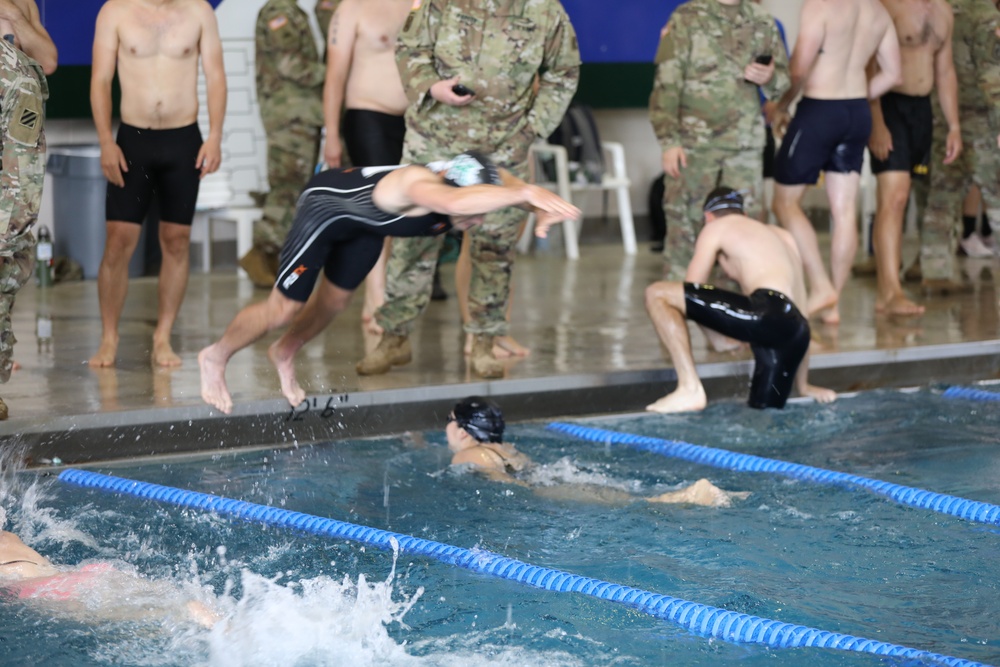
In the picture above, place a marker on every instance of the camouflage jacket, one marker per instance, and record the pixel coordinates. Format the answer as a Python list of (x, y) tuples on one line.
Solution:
[(699, 95), (23, 91), (976, 51), (290, 74), (324, 12), (496, 48)]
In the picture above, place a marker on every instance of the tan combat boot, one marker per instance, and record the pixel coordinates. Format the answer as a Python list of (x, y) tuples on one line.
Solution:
[(391, 351), (484, 364), (260, 268), (3, 410)]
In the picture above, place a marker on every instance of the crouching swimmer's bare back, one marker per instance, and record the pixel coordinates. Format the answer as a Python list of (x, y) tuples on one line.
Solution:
[(765, 262)]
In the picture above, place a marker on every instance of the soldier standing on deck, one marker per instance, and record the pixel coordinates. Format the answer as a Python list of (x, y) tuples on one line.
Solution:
[(976, 52), (290, 79), (23, 90), (705, 110), (495, 48)]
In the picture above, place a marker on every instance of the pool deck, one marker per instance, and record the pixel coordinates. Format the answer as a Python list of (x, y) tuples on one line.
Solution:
[(593, 350)]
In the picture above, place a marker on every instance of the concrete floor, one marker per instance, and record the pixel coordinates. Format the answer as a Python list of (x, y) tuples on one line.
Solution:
[(593, 350)]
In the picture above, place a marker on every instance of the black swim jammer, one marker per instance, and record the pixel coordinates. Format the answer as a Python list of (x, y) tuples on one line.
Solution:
[(373, 138), (825, 135), (910, 120), (777, 332), (160, 162), (339, 229)]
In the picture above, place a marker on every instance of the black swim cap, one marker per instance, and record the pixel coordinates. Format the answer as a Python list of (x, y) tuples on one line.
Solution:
[(723, 198), (470, 168), (481, 418)]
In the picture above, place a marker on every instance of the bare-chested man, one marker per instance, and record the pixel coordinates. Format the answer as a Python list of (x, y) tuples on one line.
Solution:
[(363, 84), (830, 130), (155, 46), (765, 262), (902, 122), (20, 18)]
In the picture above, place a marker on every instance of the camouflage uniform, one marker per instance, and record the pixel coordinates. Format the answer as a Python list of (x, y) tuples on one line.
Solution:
[(290, 92), (23, 91), (496, 47), (701, 103), (324, 12), (976, 52)]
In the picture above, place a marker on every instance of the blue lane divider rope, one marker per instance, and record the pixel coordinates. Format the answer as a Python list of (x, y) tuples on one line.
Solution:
[(972, 510), (702, 619), (971, 394)]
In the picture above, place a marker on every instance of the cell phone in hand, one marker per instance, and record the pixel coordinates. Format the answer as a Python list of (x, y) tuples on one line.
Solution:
[(764, 59), (462, 89)]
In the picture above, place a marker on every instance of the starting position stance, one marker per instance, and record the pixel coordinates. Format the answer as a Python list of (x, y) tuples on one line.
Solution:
[(341, 221), (765, 262), (475, 439)]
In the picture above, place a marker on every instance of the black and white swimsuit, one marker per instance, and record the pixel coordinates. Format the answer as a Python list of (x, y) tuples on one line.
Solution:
[(339, 229)]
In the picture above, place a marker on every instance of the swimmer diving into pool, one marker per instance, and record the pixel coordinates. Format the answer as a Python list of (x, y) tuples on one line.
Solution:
[(765, 261), (27, 575), (475, 438), (341, 220)]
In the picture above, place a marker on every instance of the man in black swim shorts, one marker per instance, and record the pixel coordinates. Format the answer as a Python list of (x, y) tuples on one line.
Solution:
[(765, 262), (341, 220)]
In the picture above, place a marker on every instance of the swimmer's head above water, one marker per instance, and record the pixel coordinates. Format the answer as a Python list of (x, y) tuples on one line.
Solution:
[(480, 418), (722, 201)]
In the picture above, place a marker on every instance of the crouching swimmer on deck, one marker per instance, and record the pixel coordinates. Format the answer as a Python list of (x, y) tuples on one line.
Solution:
[(765, 262), (342, 218), (475, 439)]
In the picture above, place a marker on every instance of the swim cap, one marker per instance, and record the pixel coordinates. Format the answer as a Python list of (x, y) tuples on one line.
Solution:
[(481, 418), (723, 198), (471, 168)]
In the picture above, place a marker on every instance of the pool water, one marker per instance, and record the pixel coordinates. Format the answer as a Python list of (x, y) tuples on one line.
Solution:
[(827, 557)]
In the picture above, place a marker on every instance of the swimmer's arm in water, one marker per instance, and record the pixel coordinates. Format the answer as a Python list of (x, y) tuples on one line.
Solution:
[(487, 462)]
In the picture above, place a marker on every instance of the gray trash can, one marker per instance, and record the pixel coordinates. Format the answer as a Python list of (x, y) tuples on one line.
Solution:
[(78, 193)]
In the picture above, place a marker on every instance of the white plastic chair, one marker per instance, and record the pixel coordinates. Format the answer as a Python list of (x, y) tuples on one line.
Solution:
[(214, 205), (615, 178)]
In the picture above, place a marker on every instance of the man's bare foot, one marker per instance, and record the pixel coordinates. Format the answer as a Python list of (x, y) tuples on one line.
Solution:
[(681, 400), (164, 356), (824, 304), (505, 347), (106, 354), (285, 365), (369, 325), (721, 343), (213, 379), (898, 304), (702, 492), (14, 366), (818, 394)]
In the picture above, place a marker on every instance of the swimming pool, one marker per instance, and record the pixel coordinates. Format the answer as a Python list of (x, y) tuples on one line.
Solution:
[(822, 556)]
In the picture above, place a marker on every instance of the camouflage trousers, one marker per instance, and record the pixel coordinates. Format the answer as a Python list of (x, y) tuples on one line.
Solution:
[(979, 163), (291, 158), (684, 197), (17, 260), (410, 274)]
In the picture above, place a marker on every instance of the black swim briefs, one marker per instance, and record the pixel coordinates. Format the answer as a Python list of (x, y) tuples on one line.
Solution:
[(777, 332), (373, 138), (825, 135), (910, 121), (160, 162)]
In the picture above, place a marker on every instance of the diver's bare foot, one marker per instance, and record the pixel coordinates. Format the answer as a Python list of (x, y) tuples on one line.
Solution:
[(213, 379), (824, 304), (164, 355), (830, 315), (285, 365), (721, 343), (818, 394), (898, 304), (702, 492), (106, 353), (681, 400)]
